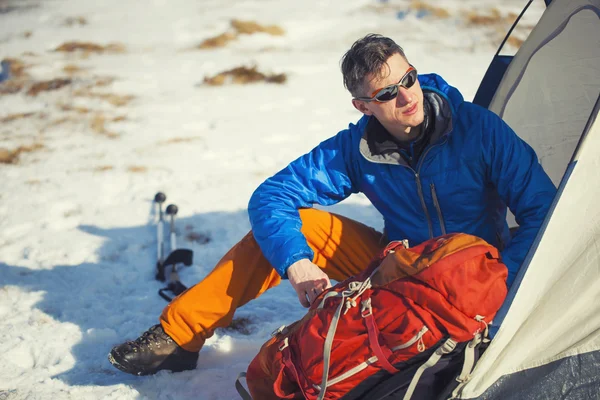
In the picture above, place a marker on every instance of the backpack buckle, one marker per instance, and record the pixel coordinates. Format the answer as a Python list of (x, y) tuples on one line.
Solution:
[(283, 345), (366, 309), (278, 330)]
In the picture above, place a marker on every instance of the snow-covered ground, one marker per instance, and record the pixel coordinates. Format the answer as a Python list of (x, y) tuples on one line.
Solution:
[(81, 164)]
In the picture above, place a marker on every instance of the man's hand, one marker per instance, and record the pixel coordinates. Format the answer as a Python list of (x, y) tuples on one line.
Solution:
[(308, 281)]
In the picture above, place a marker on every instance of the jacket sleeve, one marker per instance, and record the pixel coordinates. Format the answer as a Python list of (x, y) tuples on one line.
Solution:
[(322, 177), (521, 182)]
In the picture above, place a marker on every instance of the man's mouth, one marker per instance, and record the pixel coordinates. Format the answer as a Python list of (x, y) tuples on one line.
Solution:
[(411, 110)]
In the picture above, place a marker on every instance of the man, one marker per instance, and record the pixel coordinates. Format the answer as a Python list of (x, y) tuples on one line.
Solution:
[(430, 162)]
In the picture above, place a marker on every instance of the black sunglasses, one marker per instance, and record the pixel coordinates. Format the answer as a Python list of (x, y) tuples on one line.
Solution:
[(391, 92)]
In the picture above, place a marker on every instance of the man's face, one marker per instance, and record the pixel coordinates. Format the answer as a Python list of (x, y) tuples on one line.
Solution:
[(404, 112)]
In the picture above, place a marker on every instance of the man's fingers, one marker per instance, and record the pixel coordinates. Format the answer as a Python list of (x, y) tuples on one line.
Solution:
[(302, 297), (314, 293)]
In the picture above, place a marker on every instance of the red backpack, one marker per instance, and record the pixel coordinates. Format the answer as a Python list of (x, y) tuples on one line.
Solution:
[(405, 302)]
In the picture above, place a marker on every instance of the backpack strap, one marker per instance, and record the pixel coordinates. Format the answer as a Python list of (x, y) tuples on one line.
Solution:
[(286, 356), (446, 348), (373, 331), (469, 363), (240, 388)]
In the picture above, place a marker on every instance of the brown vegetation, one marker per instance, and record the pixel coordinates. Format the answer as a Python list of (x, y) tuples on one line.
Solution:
[(12, 156), (71, 69), (217, 41), (89, 47), (98, 125), (103, 168), (11, 87), (514, 41), (14, 117), (78, 110), (17, 68), (241, 325), (240, 28), (243, 75), (494, 17), (70, 21), (251, 27), (116, 100), (437, 12), (196, 237), (180, 140), (45, 86), (137, 169)]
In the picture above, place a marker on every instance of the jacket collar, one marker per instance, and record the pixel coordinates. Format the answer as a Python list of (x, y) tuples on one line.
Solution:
[(377, 145)]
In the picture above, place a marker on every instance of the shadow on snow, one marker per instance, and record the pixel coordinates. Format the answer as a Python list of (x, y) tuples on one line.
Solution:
[(116, 298)]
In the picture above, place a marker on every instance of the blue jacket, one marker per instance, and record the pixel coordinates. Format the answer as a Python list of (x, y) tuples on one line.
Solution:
[(473, 167)]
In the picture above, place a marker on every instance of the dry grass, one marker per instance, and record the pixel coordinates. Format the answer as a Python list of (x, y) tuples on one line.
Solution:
[(17, 68), (89, 47), (243, 75), (180, 140), (12, 156), (11, 87), (493, 17), (217, 41), (45, 86), (240, 28), (114, 99), (421, 8), (72, 69), (71, 21), (98, 125), (241, 325), (78, 110), (437, 12), (103, 168), (196, 237), (14, 117), (18, 79), (514, 41), (251, 27), (137, 169), (59, 121), (105, 81)]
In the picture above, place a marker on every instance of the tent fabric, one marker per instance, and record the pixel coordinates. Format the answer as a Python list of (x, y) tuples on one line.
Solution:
[(552, 83), (555, 378), (548, 346)]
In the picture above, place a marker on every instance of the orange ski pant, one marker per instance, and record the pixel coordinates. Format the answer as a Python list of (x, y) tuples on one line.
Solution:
[(342, 248)]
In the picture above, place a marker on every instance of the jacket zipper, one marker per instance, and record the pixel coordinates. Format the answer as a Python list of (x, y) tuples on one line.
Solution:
[(417, 338), (420, 191), (436, 203), (420, 187)]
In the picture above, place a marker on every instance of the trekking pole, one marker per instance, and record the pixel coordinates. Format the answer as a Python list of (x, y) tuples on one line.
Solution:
[(159, 199), (172, 211), (175, 257)]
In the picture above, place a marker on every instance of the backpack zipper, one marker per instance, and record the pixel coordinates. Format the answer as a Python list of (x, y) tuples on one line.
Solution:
[(417, 338)]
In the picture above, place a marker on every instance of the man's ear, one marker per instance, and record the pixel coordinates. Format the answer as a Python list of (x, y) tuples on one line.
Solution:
[(361, 106)]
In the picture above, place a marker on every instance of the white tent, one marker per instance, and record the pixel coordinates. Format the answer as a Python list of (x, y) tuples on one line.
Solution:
[(548, 345)]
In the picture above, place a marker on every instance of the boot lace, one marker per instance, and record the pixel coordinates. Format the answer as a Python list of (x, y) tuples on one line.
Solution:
[(152, 337)]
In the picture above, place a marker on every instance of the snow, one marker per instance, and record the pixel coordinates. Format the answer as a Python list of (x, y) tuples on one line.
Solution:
[(77, 219)]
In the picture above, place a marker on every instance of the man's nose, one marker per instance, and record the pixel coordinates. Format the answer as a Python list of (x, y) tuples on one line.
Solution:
[(404, 96)]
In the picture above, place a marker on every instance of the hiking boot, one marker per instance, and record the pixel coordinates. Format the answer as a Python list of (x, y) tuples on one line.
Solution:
[(150, 353)]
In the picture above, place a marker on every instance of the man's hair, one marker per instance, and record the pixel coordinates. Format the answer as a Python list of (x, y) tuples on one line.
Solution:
[(367, 56)]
